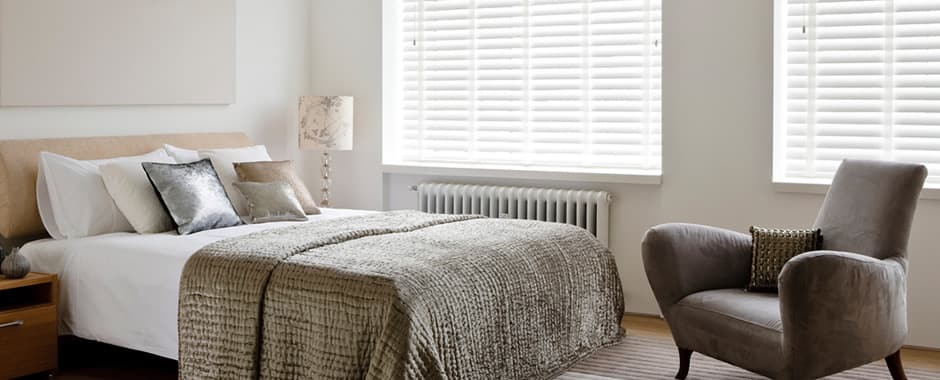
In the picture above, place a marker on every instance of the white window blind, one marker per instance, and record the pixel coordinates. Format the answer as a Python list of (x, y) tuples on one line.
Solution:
[(856, 79), (557, 84)]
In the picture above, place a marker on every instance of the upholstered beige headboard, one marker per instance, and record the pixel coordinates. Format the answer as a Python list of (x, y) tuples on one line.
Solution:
[(19, 215)]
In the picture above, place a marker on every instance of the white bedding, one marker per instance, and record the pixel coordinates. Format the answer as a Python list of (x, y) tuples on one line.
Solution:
[(123, 288)]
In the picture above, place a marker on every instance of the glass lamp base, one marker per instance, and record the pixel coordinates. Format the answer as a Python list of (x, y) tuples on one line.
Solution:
[(325, 184)]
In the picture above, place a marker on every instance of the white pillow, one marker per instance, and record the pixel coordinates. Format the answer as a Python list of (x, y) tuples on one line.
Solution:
[(223, 160), (128, 185), (73, 201), (44, 203), (181, 155)]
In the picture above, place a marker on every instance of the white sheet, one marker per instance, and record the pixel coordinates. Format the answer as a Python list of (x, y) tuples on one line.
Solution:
[(123, 288)]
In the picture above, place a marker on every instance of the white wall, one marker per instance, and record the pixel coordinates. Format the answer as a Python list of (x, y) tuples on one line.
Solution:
[(272, 70), (347, 51), (717, 125)]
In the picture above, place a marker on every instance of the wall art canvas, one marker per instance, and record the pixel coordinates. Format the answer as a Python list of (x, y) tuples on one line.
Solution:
[(116, 52)]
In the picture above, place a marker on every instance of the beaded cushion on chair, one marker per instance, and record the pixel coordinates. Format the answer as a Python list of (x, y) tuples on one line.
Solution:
[(771, 248)]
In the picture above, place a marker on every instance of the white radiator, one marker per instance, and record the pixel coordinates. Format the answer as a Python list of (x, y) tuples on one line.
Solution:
[(587, 209)]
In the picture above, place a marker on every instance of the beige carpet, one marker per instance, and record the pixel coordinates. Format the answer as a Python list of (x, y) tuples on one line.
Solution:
[(642, 358)]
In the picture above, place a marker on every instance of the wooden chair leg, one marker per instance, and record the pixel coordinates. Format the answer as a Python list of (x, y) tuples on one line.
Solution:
[(684, 357), (895, 366)]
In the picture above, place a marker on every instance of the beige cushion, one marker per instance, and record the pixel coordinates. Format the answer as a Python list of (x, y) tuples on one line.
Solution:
[(19, 215), (132, 192), (271, 202), (223, 161), (277, 171)]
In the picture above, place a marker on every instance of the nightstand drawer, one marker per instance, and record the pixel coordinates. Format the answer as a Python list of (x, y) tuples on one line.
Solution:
[(29, 339)]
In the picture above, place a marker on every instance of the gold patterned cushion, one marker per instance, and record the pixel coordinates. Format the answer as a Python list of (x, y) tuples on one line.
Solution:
[(278, 171), (773, 247), (271, 202)]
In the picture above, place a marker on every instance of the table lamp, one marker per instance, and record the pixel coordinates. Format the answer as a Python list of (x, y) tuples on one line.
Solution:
[(326, 124)]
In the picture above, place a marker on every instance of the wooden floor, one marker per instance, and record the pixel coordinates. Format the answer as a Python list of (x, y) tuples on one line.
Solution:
[(82, 360), (655, 327), (85, 360)]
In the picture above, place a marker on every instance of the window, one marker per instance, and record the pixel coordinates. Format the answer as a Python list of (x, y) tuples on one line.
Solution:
[(545, 85), (856, 79)]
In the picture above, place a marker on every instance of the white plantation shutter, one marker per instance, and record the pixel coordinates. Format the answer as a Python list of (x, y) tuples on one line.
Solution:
[(560, 84), (861, 79)]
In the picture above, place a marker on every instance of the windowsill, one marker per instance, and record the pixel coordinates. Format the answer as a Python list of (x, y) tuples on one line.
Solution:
[(822, 188), (455, 170)]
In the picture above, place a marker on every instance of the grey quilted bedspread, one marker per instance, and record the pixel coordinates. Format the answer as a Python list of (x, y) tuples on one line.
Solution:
[(398, 295)]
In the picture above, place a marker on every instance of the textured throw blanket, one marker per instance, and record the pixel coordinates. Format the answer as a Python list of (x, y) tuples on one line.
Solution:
[(398, 295)]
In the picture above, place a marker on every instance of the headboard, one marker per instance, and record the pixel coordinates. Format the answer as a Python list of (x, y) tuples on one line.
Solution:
[(19, 215)]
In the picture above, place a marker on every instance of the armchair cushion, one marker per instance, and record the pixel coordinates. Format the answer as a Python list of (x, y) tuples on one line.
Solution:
[(773, 247), (760, 310), (737, 326)]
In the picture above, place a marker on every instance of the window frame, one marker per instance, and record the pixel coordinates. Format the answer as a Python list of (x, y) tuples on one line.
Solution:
[(779, 180), (392, 58), (780, 103)]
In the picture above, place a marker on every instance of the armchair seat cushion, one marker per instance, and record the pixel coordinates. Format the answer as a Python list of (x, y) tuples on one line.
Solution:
[(732, 325), (761, 310)]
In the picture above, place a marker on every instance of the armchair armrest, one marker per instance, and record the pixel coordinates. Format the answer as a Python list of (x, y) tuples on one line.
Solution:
[(848, 307), (681, 259)]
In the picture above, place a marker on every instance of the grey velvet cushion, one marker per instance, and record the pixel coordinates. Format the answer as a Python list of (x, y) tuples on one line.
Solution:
[(271, 202), (772, 248), (193, 195)]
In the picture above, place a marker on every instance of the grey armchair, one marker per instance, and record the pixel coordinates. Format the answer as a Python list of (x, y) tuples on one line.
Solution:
[(837, 308)]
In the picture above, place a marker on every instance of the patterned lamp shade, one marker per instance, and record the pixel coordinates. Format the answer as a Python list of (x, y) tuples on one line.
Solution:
[(326, 123)]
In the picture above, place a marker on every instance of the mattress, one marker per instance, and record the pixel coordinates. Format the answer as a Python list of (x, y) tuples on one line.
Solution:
[(123, 288)]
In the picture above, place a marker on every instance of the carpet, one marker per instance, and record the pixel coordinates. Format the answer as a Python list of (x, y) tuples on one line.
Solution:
[(636, 358), (645, 358)]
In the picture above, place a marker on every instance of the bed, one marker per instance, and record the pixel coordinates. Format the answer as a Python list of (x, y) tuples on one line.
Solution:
[(346, 294), (130, 300)]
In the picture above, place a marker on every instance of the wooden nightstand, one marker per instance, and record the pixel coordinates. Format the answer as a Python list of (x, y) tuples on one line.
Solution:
[(28, 325)]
